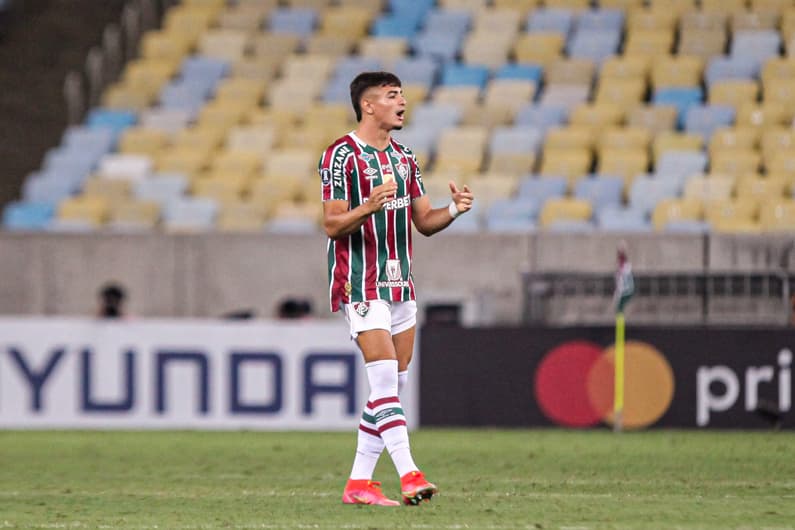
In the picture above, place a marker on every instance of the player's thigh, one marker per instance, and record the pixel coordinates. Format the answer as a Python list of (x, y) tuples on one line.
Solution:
[(404, 347), (371, 325), (404, 324), (376, 345)]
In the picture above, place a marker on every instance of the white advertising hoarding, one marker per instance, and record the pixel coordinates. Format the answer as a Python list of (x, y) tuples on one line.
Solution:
[(183, 374)]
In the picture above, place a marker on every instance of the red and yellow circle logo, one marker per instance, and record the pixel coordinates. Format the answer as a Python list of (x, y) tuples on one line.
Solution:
[(574, 384)]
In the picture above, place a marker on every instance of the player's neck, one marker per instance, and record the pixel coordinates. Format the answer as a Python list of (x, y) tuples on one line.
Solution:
[(373, 135)]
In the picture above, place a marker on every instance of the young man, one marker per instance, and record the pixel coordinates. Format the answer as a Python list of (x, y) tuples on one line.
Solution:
[(372, 192)]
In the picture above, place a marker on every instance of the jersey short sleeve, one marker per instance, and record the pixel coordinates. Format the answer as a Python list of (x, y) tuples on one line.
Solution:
[(334, 169), (416, 186)]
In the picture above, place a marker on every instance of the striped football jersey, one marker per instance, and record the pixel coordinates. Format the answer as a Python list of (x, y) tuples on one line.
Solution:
[(373, 263)]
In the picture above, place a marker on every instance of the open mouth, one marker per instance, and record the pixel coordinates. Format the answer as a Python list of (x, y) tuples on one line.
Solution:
[(400, 114)]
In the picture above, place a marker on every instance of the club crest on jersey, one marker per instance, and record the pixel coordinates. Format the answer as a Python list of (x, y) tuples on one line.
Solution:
[(403, 171), (393, 270), (361, 308)]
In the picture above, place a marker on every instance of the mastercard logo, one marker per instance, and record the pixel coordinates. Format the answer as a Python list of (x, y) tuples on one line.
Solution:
[(574, 384)]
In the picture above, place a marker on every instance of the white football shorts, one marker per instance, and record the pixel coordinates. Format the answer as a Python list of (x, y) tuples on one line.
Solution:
[(394, 317)]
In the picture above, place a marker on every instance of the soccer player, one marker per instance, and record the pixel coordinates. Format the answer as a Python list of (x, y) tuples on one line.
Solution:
[(372, 192)]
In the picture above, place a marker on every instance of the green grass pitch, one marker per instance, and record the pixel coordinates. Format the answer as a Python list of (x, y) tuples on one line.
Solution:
[(490, 479)]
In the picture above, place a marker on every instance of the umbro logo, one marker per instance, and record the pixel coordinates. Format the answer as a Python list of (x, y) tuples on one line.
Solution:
[(370, 173)]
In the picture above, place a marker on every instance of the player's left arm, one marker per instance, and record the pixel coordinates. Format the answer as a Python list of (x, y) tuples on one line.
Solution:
[(430, 220)]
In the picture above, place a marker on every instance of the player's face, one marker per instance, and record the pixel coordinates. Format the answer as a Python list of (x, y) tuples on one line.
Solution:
[(388, 106)]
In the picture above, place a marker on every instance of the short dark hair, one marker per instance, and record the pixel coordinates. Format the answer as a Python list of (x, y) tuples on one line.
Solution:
[(367, 80)]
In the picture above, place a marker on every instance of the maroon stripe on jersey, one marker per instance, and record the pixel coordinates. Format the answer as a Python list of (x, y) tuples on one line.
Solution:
[(382, 401), (369, 431), (342, 265), (391, 425), (370, 248)]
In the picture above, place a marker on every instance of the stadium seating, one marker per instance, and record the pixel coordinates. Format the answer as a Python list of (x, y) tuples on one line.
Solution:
[(638, 109)]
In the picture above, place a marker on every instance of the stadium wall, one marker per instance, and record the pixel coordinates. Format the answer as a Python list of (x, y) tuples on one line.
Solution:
[(207, 275)]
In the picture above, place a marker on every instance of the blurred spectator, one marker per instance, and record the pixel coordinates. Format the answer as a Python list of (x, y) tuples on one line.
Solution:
[(295, 308), (111, 301)]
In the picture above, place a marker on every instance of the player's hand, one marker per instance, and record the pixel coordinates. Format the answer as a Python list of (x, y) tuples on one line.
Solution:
[(462, 198), (381, 194)]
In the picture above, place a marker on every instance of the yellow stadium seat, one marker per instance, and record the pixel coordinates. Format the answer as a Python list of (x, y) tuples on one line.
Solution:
[(242, 162), (292, 95), (469, 5), (624, 92), (134, 214), (373, 8), (624, 163), (335, 46), (268, 192), (732, 215), (309, 137), (698, 19), (241, 217), (329, 116), (674, 210), (501, 101), (624, 138), (705, 43), (164, 45), (723, 6), (675, 6), (257, 139), (677, 71), (736, 162), (505, 21), (753, 20), (514, 164), (597, 116), (782, 163), (522, 6), (674, 141), (623, 67), (93, 210), (190, 21), (654, 118), (708, 189), (293, 162), (300, 210), (487, 49), (249, 92), (113, 191), (734, 92), (788, 29), (777, 139), (540, 48), (224, 113), (281, 45), (782, 92), (572, 163), (123, 97), (762, 190), (564, 209), (308, 67), (246, 16), (570, 137), (778, 216), (771, 6), (346, 20), (652, 42), (138, 140), (764, 115), (461, 149), (570, 72), (189, 161), (464, 97), (258, 68), (224, 44), (575, 5), (317, 5), (490, 187), (733, 138), (222, 189), (778, 68), (648, 19), (384, 48), (414, 93), (206, 139)]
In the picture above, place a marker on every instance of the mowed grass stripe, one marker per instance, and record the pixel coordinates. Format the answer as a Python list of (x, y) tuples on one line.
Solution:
[(488, 479)]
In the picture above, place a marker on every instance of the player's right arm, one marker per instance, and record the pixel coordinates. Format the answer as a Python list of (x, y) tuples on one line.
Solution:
[(340, 221)]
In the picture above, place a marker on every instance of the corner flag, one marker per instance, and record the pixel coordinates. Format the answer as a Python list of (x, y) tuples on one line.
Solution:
[(625, 288)]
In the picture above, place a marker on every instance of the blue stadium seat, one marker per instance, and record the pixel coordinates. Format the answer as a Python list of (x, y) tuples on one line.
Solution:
[(723, 68), (349, 67), (620, 219), (187, 96), (602, 191), (519, 139), (190, 213), (337, 91), (570, 226), (681, 98), (512, 215), (161, 187), (418, 139), (27, 215), (680, 164), (530, 72), (601, 19), (48, 188), (560, 20), (413, 11), (687, 227), (465, 75), (98, 141), (204, 68), (443, 47), (757, 45), (395, 26), (422, 70), (114, 120), (436, 116), (538, 189), (298, 21), (704, 119), (543, 117), (594, 44), (447, 21), (69, 160), (646, 191)]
